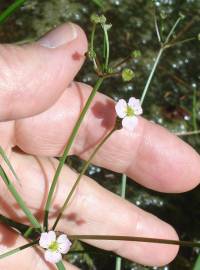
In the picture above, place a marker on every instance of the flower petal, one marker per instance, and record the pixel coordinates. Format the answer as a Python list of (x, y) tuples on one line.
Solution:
[(63, 243), (129, 123), (44, 240), (52, 256), (135, 104), (47, 238), (52, 236), (121, 108)]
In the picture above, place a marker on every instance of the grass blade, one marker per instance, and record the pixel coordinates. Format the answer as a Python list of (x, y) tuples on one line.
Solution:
[(10, 10), (18, 199), (16, 250), (4, 156), (60, 266)]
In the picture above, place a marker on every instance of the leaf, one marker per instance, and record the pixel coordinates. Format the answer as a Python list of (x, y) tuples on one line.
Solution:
[(60, 265), (3, 154), (18, 199), (10, 10)]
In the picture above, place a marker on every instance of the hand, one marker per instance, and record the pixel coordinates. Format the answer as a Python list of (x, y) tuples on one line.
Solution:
[(38, 109)]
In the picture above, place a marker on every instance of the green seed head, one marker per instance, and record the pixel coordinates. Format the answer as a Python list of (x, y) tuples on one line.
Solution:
[(127, 74), (136, 54), (98, 19)]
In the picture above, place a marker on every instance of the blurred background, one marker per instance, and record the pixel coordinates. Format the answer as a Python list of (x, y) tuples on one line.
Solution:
[(173, 100)]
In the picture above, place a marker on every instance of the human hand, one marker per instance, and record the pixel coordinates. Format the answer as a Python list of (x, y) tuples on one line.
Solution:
[(38, 109)]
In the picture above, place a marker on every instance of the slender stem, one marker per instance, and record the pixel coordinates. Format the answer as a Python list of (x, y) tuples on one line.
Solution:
[(10, 10), (123, 195), (16, 250), (194, 114), (107, 47), (188, 133), (60, 265), (157, 28), (87, 163), (19, 200), (92, 37), (98, 3), (135, 239), (12, 223), (28, 232), (7, 161), (197, 264), (123, 186), (173, 29), (67, 149), (125, 60), (180, 42), (151, 74), (92, 45)]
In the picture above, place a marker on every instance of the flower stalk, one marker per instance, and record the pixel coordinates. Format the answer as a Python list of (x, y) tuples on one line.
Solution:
[(67, 149)]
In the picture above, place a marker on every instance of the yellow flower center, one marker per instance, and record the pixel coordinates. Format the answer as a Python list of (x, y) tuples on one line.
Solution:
[(129, 111), (54, 246)]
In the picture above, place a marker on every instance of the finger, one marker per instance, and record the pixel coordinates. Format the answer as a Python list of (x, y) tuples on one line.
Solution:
[(92, 210), (34, 256), (34, 76), (150, 155)]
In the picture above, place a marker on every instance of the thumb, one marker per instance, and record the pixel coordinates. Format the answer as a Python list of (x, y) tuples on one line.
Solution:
[(33, 76)]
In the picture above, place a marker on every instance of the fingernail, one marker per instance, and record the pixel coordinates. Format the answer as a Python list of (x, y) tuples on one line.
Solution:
[(62, 35)]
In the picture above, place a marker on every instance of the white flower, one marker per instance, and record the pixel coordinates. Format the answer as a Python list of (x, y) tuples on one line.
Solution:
[(54, 247), (128, 112)]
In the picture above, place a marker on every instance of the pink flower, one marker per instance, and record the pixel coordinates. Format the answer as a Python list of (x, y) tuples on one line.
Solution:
[(54, 247), (129, 112)]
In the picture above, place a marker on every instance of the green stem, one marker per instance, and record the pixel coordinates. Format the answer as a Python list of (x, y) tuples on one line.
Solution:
[(107, 47), (197, 264), (98, 3), (12, 223), (187, 133), (180, 42), (4, 156), (157, 28), (18, 199), (28, 232), (125, 60), (10, 10), (194, 114), (67, 149), (60, 265), (92, 37), (135, 239), (16, 250), (118, 265), (87, 163), (92, 48), (151, 74), (173, 29)]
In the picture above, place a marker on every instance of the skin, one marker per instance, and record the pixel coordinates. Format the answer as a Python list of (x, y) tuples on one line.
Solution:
[(39, 104)]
